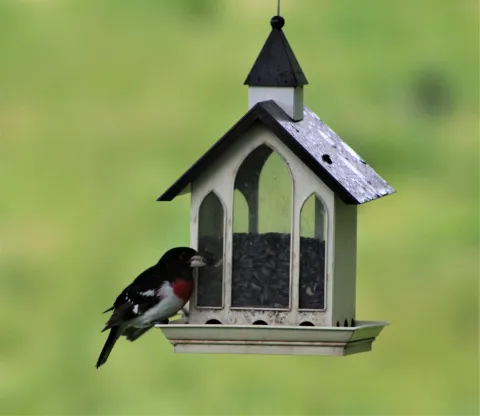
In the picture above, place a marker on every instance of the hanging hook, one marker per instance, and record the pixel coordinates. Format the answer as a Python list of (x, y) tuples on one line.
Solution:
[(277, 21)]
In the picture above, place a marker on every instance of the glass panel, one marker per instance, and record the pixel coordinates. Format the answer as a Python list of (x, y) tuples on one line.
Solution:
[(210, 245), (313, 226), (240, 208), (261, 239)]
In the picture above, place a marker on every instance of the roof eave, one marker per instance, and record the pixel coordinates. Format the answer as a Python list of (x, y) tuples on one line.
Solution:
[(218, 148), (257, 112)]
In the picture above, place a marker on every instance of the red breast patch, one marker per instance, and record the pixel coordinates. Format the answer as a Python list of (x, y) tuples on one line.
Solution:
[(183, 289)]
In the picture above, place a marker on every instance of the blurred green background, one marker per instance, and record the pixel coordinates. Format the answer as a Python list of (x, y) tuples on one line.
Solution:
[(103, 103)]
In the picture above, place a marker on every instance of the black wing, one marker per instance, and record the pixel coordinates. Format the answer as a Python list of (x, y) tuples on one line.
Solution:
[(144, 283), (135, 299), (132, 305)]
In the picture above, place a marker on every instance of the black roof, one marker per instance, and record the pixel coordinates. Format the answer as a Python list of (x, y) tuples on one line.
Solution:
[(276, 65), (312, 141)]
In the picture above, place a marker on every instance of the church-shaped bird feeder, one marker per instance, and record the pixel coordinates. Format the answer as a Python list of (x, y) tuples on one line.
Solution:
[(274, 210)]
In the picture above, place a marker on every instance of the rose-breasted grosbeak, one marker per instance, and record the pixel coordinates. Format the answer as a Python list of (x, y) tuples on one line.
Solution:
[(154, 296)]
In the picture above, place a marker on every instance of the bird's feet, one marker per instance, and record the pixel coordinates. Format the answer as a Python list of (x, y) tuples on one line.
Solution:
[(153, 323), (184, 312)]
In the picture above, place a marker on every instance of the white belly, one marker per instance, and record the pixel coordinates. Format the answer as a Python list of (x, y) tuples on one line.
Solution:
[(167, 307)]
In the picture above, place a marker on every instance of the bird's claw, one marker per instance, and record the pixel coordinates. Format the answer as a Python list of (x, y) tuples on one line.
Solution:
[(184, 312), (164, 322)]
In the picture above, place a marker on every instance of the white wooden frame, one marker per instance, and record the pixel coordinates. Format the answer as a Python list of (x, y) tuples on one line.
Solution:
[(341, 220)]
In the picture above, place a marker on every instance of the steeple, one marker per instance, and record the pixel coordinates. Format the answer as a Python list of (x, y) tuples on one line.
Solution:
[(276, 74)]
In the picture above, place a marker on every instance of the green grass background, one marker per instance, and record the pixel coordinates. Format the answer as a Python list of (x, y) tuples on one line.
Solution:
[(103, 103)]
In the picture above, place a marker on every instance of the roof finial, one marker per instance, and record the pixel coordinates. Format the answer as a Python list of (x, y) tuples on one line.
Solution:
[(277, 21), (276, 65)]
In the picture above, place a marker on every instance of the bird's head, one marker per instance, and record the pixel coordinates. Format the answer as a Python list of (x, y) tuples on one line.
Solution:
[(183, 257)]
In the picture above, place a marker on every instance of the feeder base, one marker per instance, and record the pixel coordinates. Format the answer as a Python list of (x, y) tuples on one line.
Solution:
[(280, 340)]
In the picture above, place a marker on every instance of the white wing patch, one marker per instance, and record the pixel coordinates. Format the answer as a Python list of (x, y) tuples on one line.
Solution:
[(150, 292)]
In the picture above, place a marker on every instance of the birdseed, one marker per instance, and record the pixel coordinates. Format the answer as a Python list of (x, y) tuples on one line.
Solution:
[(261, 272)]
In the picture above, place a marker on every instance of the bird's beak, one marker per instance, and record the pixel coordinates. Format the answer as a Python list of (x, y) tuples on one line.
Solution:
[(198, 261)]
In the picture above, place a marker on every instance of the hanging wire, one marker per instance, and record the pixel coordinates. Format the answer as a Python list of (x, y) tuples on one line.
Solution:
[(278, 7)]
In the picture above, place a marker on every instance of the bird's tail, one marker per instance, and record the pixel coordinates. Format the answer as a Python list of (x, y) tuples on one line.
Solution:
[(113, 336)]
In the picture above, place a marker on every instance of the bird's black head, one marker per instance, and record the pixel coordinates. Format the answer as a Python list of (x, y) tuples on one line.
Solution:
[(182, 257)]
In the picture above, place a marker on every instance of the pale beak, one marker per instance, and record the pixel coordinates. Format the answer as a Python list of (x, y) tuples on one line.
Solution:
[(197, 261)]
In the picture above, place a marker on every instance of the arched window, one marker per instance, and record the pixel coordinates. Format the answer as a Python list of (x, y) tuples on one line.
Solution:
[(210, 244), (240, 206), (313, 232), (261, 234)]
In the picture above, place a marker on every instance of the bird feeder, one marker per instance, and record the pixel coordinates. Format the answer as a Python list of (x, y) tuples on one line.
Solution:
[(274, 207)]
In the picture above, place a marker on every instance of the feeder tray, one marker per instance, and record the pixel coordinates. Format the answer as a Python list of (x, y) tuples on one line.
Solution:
[(279, 340)]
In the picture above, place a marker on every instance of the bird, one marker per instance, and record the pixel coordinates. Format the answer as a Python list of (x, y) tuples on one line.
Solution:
[(155, 295)]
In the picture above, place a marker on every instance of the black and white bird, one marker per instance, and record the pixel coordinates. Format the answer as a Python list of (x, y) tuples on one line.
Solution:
[(155, 295)]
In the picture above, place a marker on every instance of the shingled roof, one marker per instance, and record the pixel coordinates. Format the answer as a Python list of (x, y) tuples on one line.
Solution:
[(276, 65), (312, 141)]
